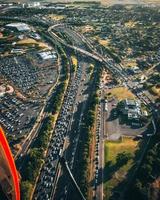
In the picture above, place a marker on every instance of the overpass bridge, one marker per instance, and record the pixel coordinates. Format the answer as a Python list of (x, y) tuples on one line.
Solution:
[(116, 70)]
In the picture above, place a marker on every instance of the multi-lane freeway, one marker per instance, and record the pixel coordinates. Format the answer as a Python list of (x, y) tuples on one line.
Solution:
[(66, 133), (53, 182), (74, 98)]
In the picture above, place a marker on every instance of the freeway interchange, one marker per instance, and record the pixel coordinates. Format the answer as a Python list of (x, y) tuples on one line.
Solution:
[(65, 139), (52, 182)]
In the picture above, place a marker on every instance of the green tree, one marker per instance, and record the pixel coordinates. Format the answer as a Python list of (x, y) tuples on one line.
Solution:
[(123, 158), (26, 190)]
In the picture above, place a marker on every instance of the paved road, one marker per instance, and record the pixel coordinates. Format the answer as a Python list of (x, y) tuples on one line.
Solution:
[(62, 130), (63, 188), (115, 69), (118, 72), (99, 182), (110, 65)]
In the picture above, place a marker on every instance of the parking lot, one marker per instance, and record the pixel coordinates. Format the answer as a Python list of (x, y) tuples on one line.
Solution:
[(27, 78), (114, 129), (31, 84), (17, 116)]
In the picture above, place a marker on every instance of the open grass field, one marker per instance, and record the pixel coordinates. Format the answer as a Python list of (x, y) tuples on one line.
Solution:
[(130, 24), (115, 174), (152, 1), (30, 42), (129, 62), (86, 29), (104, 43), (156, 90), (75, 62), (56, 17), (122, 93)]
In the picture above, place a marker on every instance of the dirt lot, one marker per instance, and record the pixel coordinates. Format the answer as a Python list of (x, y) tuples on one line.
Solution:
[(120, 93)]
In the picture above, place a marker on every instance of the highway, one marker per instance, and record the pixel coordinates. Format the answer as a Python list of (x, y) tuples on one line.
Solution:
[(67, 169), (102, 132), (60, 137), (108, 63), (52, 183), (66, 133), (119, 73), (70, 153)]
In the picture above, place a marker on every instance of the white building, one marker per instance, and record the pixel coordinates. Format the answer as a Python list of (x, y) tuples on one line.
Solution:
[(21, 27), (47, 55)]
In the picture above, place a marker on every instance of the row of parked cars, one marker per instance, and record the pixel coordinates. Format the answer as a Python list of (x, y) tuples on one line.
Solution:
[(98, 129), (22, 74), (14, 114), (10, 113), (49, 172)]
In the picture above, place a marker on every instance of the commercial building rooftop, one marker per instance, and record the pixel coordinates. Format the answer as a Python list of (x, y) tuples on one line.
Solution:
[(132, 108), (19, 26), (131, 102), (46, 55)]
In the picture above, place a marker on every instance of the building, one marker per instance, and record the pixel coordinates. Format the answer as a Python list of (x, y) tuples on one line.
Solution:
[(106, 105), (21, 27), (47, 55), (33, 5), (9, 180), (131, 108)]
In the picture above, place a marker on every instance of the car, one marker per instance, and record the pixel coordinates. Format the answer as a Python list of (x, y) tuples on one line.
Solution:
[(149, 135), (139, 136)]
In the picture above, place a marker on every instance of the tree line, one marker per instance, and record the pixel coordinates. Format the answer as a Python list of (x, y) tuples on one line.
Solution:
[(35, 158)]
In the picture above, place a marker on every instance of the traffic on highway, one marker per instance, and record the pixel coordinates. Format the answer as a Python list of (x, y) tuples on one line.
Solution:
[(101, 101), (50, 171)]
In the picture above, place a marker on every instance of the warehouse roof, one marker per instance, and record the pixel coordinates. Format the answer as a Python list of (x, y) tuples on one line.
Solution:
[(19, 26)]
